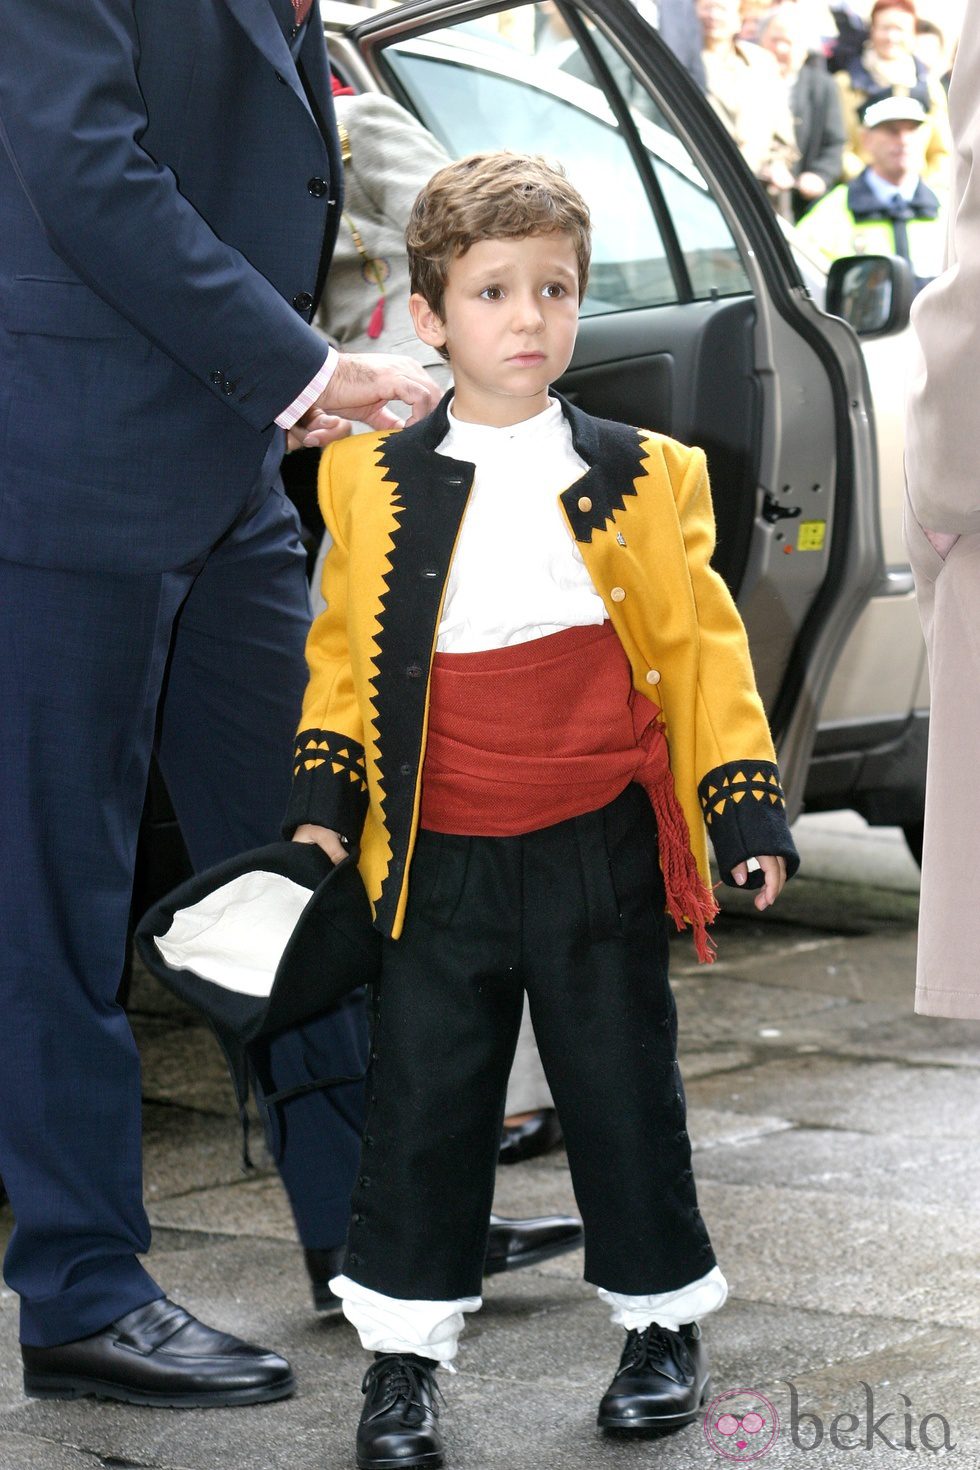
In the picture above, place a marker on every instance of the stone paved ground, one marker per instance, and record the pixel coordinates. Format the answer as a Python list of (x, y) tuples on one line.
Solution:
[(837, 1153)]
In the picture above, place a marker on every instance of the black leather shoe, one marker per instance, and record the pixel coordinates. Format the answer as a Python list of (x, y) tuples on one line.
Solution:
[(399, 1425), (661, 1383), (516, 1243), (538, 1134), (322, 1267), (158, 1355)]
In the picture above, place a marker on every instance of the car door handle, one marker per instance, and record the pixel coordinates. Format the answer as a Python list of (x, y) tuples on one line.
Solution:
[(772, 511)]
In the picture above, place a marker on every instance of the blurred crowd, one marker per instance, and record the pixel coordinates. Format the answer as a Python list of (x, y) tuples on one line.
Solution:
[(838, 109), (841, 112)]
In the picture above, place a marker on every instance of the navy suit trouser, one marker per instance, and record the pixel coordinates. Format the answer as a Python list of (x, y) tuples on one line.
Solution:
[(206, 661)]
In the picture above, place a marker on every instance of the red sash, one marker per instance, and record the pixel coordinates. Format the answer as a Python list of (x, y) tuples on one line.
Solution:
[(525, 737)]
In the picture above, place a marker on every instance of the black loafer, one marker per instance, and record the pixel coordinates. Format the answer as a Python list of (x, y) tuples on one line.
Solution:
[(399, 1422), (538, 1134), (516, 1243), (159, 1355), (661, 1383)]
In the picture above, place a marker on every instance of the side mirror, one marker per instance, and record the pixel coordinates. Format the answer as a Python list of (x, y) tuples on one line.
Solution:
[(873, 293)]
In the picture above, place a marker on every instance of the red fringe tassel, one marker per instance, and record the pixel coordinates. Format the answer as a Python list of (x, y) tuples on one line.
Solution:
[(689, 899)]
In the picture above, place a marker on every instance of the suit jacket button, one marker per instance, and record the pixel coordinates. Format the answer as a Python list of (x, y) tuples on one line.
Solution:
[(414, 671), (317, 187), (303, 301), (217, 377), (405, 768), (228, 388), (653, 676), (584, 503), (429, 574), (618, 594)]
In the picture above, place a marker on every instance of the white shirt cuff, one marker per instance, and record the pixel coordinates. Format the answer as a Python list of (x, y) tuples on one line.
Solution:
[(310, 393), (668, 1308), (389, 1324)]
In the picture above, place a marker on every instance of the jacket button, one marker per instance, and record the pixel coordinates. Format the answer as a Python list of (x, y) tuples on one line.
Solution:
[(653, 676), (228, 388), (317, 187), (217, 377), (414, 671), (405, 768), (584, 503), (618, 594), (429, 574), (303, 301)]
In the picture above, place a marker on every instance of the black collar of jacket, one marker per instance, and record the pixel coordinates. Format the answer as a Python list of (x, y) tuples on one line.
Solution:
[(612, 452), (864, 203)]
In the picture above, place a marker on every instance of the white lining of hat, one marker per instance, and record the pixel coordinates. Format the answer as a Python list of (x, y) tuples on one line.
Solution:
[(235, 935)]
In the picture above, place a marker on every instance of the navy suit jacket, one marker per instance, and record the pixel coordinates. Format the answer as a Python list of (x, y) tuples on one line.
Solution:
[(169, 196)]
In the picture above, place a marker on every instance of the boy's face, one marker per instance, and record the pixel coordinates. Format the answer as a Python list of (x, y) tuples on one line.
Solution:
[(510, 315)]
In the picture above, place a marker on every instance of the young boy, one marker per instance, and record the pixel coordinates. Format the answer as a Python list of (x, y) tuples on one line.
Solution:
[(521, 615)]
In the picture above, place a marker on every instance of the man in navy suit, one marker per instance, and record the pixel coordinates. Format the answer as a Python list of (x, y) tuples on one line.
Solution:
[(170, 191), (170, 188)]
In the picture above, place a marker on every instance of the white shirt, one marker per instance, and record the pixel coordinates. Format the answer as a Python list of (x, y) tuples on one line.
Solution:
[(886, 191), (517, 573)]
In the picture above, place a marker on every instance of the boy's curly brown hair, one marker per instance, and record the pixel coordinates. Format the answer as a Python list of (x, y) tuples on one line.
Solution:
[(491, 196)]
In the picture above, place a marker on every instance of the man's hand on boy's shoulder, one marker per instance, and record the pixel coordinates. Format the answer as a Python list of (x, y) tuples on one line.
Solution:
[(331, 842), (364, 383), (774, 875), (316, 431)]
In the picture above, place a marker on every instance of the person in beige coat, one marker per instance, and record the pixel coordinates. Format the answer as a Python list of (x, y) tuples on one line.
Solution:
[(746, 90), (943, 535)]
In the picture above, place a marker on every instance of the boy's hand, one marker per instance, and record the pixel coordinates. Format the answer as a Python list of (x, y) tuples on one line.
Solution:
[(324, 837), (774, 872)]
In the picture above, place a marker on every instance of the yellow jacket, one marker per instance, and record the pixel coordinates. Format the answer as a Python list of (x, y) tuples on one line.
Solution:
[(642, 518)]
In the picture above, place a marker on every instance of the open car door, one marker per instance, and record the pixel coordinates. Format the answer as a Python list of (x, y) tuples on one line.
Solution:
[(696, 322)]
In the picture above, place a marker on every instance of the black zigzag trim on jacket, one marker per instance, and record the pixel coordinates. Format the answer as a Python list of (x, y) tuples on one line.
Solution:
[(744, 811), (329, 783), (613, 468), (428, 502)]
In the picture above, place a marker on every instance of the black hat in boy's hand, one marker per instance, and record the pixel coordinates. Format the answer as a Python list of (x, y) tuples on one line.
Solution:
[(262, 943)]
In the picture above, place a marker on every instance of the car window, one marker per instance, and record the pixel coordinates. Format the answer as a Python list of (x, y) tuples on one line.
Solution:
[(511, 80)]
